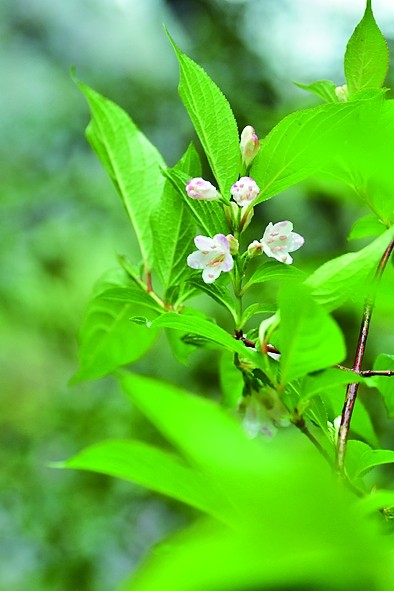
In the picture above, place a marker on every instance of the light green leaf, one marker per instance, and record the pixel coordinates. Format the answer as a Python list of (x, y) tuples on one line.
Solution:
[(173, 226), (326, 380), (131, 295), (349, 275), (255, 309), (217, 292), (368, 225), (366, 57), (385, 385), (148, 466), (108, 339), (325, 89), (273, 270), (231, 380), (130, 160), (308, 338), (209, 215), (361, 458), (213, 121)]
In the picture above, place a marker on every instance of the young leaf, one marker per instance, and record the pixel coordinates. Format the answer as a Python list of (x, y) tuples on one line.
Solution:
[(148, 466), (209, 215), (325, 89), (385, 385), (340, 279), (272, 270), (130, 160), (108, 338), (213, 121), (366, 57), (368, 225), (361, 458), (173, 226), (254, 309), (308, 339)]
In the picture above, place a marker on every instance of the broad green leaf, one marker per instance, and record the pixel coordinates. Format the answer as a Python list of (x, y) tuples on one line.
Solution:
[(204, 328), (349, 275), (173, 226), (368, 225), (209, 215), (108, 339), (273, 270), (212, 119), (302, 144), (360, 458), (130, 160), (366, 57), (308, 338), (325, 89), (385, 385), (217, 292), (326, 380), (148, 466)]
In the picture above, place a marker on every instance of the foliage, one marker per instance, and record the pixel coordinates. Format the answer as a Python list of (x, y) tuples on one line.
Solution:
[(269, 512)]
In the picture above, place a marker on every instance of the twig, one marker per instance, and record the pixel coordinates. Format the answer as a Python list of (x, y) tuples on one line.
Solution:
[(351, 392)]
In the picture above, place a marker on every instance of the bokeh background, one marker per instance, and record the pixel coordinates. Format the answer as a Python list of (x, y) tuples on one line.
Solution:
[(62, 225)]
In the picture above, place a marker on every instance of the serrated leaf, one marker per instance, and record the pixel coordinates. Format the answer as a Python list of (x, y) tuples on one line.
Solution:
[(148, 466), (308, 338), (340, 279), (209, 215), (365, 227), (366, 56), (108, 339), (173, 226), (130, 160), (325, 89), (213, 120), (360, 458), (385, 385)]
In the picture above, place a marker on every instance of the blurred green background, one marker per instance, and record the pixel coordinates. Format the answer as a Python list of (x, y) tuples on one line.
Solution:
[(62, 226)]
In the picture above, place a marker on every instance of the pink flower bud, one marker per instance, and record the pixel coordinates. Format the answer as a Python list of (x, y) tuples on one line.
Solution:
[(249, 144), (199, 188), (244, 191)]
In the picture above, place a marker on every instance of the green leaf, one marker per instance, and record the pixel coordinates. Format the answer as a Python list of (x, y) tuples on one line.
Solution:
[(209, 215), (173, 226), (213, 121), (148, 466), (108, 339), (130, 160), (361, 458), (255, 309), (385, 385), (366, 57), (219, 293), (368, 225), (349, 275), (273, 270), (130, 295), (325, 89), (231, 380), (324, 381), (204, 328), (308, 339)]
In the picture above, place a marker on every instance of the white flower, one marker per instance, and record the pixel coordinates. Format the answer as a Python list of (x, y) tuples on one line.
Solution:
[(199, 188), (213, 256), (279, 240), (249, 144), (245, 191)]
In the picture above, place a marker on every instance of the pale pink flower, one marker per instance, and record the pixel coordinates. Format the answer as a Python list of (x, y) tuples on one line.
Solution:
[(244, 191), (213, 256), (199, 188), (279, 240)]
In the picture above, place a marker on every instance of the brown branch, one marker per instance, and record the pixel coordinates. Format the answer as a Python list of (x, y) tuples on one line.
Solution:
[(351, 392)]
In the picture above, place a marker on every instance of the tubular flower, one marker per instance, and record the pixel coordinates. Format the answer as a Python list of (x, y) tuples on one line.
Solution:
[(279, 240), (213, 256), (199, 188), (245, 190), (249, 144)]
